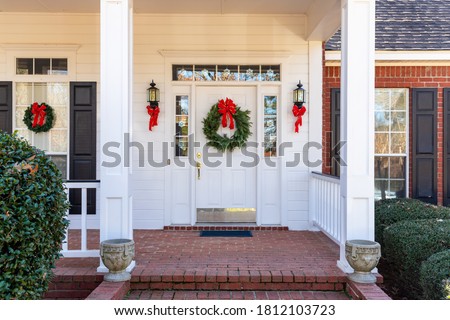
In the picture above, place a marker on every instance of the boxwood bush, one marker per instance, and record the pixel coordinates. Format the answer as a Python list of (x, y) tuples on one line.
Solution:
[(435, 276), (33, 204), (390, 211), (408, 244)]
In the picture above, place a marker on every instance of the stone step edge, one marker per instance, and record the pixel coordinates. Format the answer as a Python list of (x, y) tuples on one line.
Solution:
[(240, 286), (225, 228)]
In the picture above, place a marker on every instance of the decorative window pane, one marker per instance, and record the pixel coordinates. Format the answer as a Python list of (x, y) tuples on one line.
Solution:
[(24, 66), (181, 125), (249, 73), (205, 73), (270, 126), (270, 73), (390, 142), (182, 73), (227, 73)]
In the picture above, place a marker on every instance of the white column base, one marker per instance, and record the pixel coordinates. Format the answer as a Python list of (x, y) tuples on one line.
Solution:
[(103, 269)]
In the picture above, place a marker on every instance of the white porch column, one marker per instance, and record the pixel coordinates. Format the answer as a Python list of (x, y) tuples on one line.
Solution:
[(314, 107), (116, 61), (357, 122)]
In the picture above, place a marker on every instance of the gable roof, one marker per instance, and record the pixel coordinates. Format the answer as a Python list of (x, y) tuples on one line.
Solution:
[(408, 25)]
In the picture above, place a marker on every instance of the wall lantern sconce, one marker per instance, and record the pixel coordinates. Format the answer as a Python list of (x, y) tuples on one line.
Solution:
[(298, 110), (153, 107)]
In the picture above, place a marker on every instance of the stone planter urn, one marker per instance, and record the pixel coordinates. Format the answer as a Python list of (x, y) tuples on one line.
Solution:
[(117, 255), (363, 257)]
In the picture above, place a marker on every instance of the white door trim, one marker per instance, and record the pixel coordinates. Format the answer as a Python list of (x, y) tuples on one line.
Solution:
[(169, 94)]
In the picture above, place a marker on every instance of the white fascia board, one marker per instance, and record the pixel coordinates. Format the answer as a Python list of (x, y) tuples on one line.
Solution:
[(398, 56)]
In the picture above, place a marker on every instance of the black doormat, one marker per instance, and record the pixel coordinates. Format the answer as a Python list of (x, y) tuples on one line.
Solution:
[(226, 233)]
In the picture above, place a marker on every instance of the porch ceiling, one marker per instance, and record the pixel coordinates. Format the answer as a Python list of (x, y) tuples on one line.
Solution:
[(323, 16)]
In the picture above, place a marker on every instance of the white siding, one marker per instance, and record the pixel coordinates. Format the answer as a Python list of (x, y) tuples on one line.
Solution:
[(153, 33)]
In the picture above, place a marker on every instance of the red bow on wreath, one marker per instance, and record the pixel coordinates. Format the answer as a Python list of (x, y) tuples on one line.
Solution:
[(39, 114), (153, 112), (227, 108), (298, 112)]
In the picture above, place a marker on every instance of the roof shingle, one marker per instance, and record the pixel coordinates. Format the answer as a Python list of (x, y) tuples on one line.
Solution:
[(408, 25)]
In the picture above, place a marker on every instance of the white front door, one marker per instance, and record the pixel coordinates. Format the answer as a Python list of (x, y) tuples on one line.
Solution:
[(226, 182)]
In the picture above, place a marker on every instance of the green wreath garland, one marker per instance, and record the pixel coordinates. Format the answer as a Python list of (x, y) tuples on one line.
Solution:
[(211, 124), (48, 121)]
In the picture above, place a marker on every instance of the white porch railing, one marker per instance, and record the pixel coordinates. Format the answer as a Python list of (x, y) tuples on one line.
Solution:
[(83, 251), (327, 214)]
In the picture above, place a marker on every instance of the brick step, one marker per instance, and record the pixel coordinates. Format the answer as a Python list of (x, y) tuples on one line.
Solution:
[(73, 284), (225, 228), (232, 280), (235, 295)]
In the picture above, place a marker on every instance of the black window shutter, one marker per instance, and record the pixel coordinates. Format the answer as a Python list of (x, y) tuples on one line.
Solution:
[(83, 140), (446, 146), (424, 153), (335, 131), (6, 106)]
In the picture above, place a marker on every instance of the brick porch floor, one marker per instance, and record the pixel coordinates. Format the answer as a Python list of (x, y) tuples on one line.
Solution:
[(174, 261)]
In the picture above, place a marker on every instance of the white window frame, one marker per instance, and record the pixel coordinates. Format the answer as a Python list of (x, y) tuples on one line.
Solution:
[(406, 155), (17, 51)]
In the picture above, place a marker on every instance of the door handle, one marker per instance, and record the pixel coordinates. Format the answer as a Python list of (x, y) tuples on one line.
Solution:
[(199, 165)]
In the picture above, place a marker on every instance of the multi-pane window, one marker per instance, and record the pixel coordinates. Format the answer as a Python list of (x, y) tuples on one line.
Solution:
[(41, 66), (181, 125), (54, 142), (270, 126), (391, 122), (226, 73)]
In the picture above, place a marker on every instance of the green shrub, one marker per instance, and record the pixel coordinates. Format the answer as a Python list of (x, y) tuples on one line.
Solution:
[(408, 244), (390, 211), (435, 276), (33, 204)]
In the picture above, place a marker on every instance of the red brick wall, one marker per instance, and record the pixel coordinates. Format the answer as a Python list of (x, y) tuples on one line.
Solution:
[(393, 77)]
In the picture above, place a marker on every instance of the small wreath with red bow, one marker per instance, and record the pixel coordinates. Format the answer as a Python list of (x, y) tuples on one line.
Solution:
[(219, 114), (39, 117)]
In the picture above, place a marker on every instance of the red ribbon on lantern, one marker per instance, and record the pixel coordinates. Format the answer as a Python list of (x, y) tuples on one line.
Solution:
[(39, 114), (298, 112), (227, 108), (153, 112)]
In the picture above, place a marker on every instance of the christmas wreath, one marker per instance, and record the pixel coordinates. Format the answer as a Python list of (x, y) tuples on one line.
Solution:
[(219, 114), (39, 118)]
